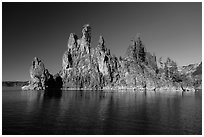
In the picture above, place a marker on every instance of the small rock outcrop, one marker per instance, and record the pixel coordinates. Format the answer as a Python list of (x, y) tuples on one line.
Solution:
[(41, 79)]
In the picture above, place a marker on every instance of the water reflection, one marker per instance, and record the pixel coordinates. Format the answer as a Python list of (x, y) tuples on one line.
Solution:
[(99, 112), (56, 94)]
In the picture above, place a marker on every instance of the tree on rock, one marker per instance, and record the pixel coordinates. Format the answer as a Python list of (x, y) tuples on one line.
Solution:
[(141, 50), (170, 68)]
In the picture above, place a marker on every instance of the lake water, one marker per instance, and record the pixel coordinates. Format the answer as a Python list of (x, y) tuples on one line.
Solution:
[(99, 112)]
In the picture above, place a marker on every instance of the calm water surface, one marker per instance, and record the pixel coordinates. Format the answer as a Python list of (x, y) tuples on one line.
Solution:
[(99, 112)]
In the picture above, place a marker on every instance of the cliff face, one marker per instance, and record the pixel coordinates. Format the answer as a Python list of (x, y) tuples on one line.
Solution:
[(188, 69), (194, 73), (95, 68), (84, 67)]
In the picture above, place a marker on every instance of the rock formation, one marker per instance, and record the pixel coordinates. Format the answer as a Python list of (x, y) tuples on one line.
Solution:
[(95, 68), (80, 65), (41, 79), (85, 67)]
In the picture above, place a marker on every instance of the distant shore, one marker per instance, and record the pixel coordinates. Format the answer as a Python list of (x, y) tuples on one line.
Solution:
[(14, 83)]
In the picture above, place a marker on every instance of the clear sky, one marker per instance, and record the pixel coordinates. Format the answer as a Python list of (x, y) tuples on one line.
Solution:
[(42, 29)]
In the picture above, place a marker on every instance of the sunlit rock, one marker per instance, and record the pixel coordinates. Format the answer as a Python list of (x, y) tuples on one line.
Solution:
[(86, 67), (41, 79)]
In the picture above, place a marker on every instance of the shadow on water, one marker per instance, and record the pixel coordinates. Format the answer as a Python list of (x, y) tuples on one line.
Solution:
[(53, 94)]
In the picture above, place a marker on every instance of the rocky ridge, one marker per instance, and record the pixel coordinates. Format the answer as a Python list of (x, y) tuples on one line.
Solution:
[(84, 67)]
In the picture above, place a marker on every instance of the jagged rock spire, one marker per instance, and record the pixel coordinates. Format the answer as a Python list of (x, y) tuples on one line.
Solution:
[(101, 40), (37, 68), (72, 42), (86, 39), (37, 74), (41, 79), (86, 32), (101, 43)]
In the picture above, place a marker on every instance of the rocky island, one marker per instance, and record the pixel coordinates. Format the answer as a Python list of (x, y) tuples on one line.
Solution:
[(95, 68)]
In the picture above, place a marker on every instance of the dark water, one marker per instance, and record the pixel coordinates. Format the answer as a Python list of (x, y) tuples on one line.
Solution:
[(88, 112)]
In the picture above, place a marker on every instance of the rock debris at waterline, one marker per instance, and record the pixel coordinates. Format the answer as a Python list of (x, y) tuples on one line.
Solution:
[(84, 67)]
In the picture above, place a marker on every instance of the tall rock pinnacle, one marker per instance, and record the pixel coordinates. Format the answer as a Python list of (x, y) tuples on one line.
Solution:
[(102, 43), (72, 42), (86, 39)]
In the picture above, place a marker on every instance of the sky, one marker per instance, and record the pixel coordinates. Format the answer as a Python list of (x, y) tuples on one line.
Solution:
[(42, 30)]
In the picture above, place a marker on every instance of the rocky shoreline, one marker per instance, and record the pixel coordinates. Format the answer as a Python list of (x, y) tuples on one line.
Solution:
[(136, 89)]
